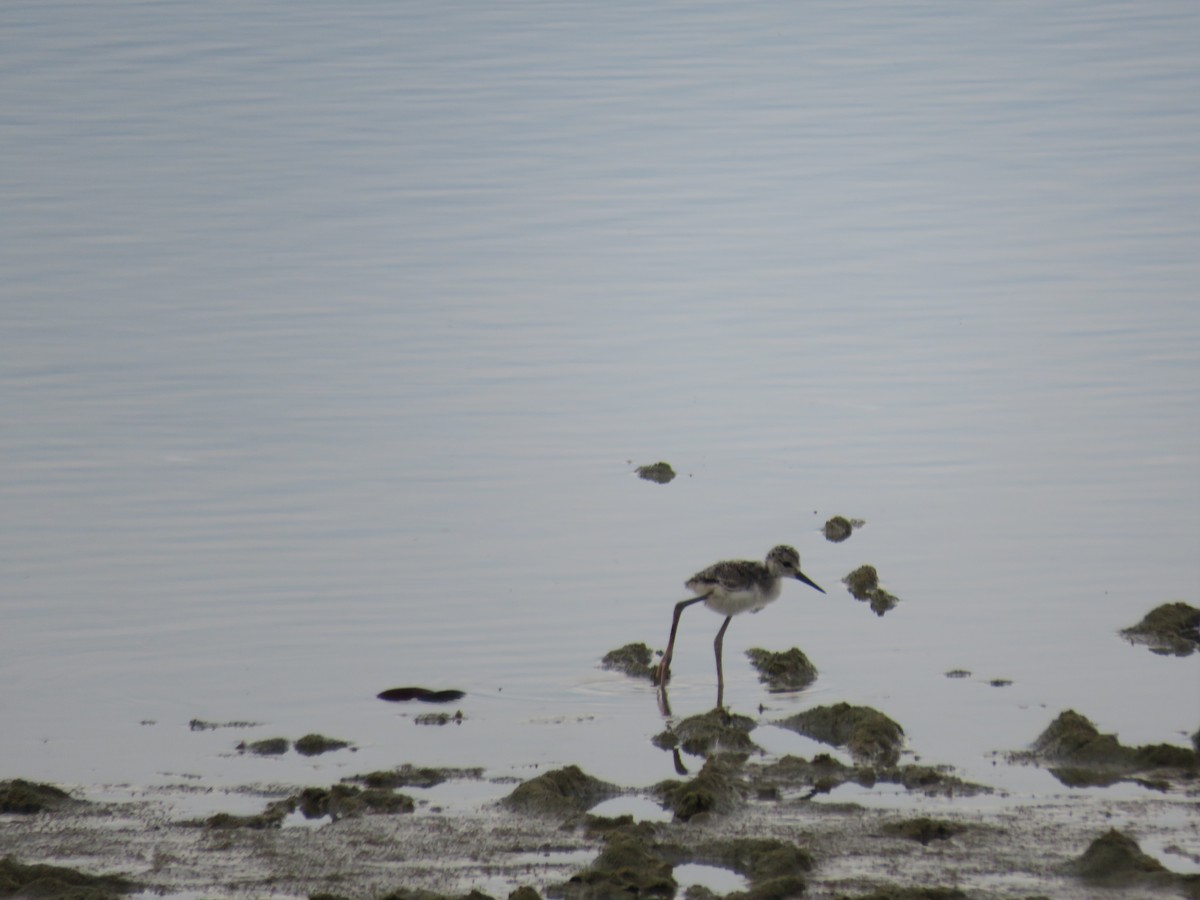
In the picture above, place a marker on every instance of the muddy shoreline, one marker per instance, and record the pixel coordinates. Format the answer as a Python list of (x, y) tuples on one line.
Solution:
[(1125, 822)]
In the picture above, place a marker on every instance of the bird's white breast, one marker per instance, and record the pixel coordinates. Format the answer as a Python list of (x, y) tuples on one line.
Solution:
[(731, 602)]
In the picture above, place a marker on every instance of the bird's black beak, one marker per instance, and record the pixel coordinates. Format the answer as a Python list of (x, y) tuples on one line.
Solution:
[(800, 576)]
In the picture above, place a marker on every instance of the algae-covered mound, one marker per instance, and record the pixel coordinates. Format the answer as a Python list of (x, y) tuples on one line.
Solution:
[(839, 528), (28, 797), (823, 774), (790, 670), (863, 584), (659, 472), (1115, 860), (630, 865), (409, 775), (716, 731), (635, 660), (910, 893), (923, 829), (316, 744), (868, 734), (1172, 629), (266, 747), (1080, 755), (344, 801), (561, 793), (18, 879), (717, 788)]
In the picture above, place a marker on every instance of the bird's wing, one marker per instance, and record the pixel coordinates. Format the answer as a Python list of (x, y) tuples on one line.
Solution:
[(725, 575)]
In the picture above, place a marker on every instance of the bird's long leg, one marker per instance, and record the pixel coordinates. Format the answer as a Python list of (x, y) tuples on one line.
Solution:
[(664, 668), (718, 646)]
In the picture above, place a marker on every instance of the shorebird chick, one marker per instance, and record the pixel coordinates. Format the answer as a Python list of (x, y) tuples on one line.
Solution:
[(732, 587)]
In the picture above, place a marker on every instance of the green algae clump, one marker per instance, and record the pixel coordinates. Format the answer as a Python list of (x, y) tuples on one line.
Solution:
[(28, 797), (560, 793), (789, 670), (659, 473), (1172, 629), (316, 744), (867, 733), (634, 660)]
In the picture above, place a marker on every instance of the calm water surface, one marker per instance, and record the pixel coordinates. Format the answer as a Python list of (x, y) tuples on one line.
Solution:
[(330, 338)]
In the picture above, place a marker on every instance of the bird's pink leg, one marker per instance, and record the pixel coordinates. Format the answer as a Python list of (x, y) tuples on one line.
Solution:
[(664, 668), (718, 646)]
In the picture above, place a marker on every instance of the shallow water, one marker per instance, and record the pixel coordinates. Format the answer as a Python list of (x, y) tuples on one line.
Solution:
[(331, 339)]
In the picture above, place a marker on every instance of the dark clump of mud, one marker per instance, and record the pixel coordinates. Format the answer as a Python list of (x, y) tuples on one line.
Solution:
[(630, 865), (839, 528), (924, 830), (28, 797), (425, 695), (659, 472), (863, 584), (18, 879), (762, 860), (868, 734), (1079, 755), (790, 670), (316, 744), (265, 747), (564, 793), (635, 660), (344, 801), (1115, 860), (413, 776), (1172, 629), (717, 788), (439, 718), (910, 893), (202, 725), (716, 731), (340, 801), (823, 774), (271, 817)]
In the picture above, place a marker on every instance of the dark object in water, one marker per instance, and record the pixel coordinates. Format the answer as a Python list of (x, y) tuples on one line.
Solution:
[(1172, 629), (863, 584), (660, 473), (839, 528), (635, 660), (425, 695)]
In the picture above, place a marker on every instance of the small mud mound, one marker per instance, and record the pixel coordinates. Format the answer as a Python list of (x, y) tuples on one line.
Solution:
[(912, 893), (265, 747), (868, 734), (863, 584), (560, 793), (1172, 629), (761, 860), (717, 731), (1114, 860), (630, 865), (717, 788), (634, 660), (924, 830), (1081, 756), (790, 670), (839, 528), (414, 776), (824, 774), (343, 801), (316, 744), (659, 473), (28, 797), (425, 695), (18, 879)]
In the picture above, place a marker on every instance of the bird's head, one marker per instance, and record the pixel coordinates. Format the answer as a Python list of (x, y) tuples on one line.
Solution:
[(783, 561)]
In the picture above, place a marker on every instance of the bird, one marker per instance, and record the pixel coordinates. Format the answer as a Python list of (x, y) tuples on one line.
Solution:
[(731, 587)]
